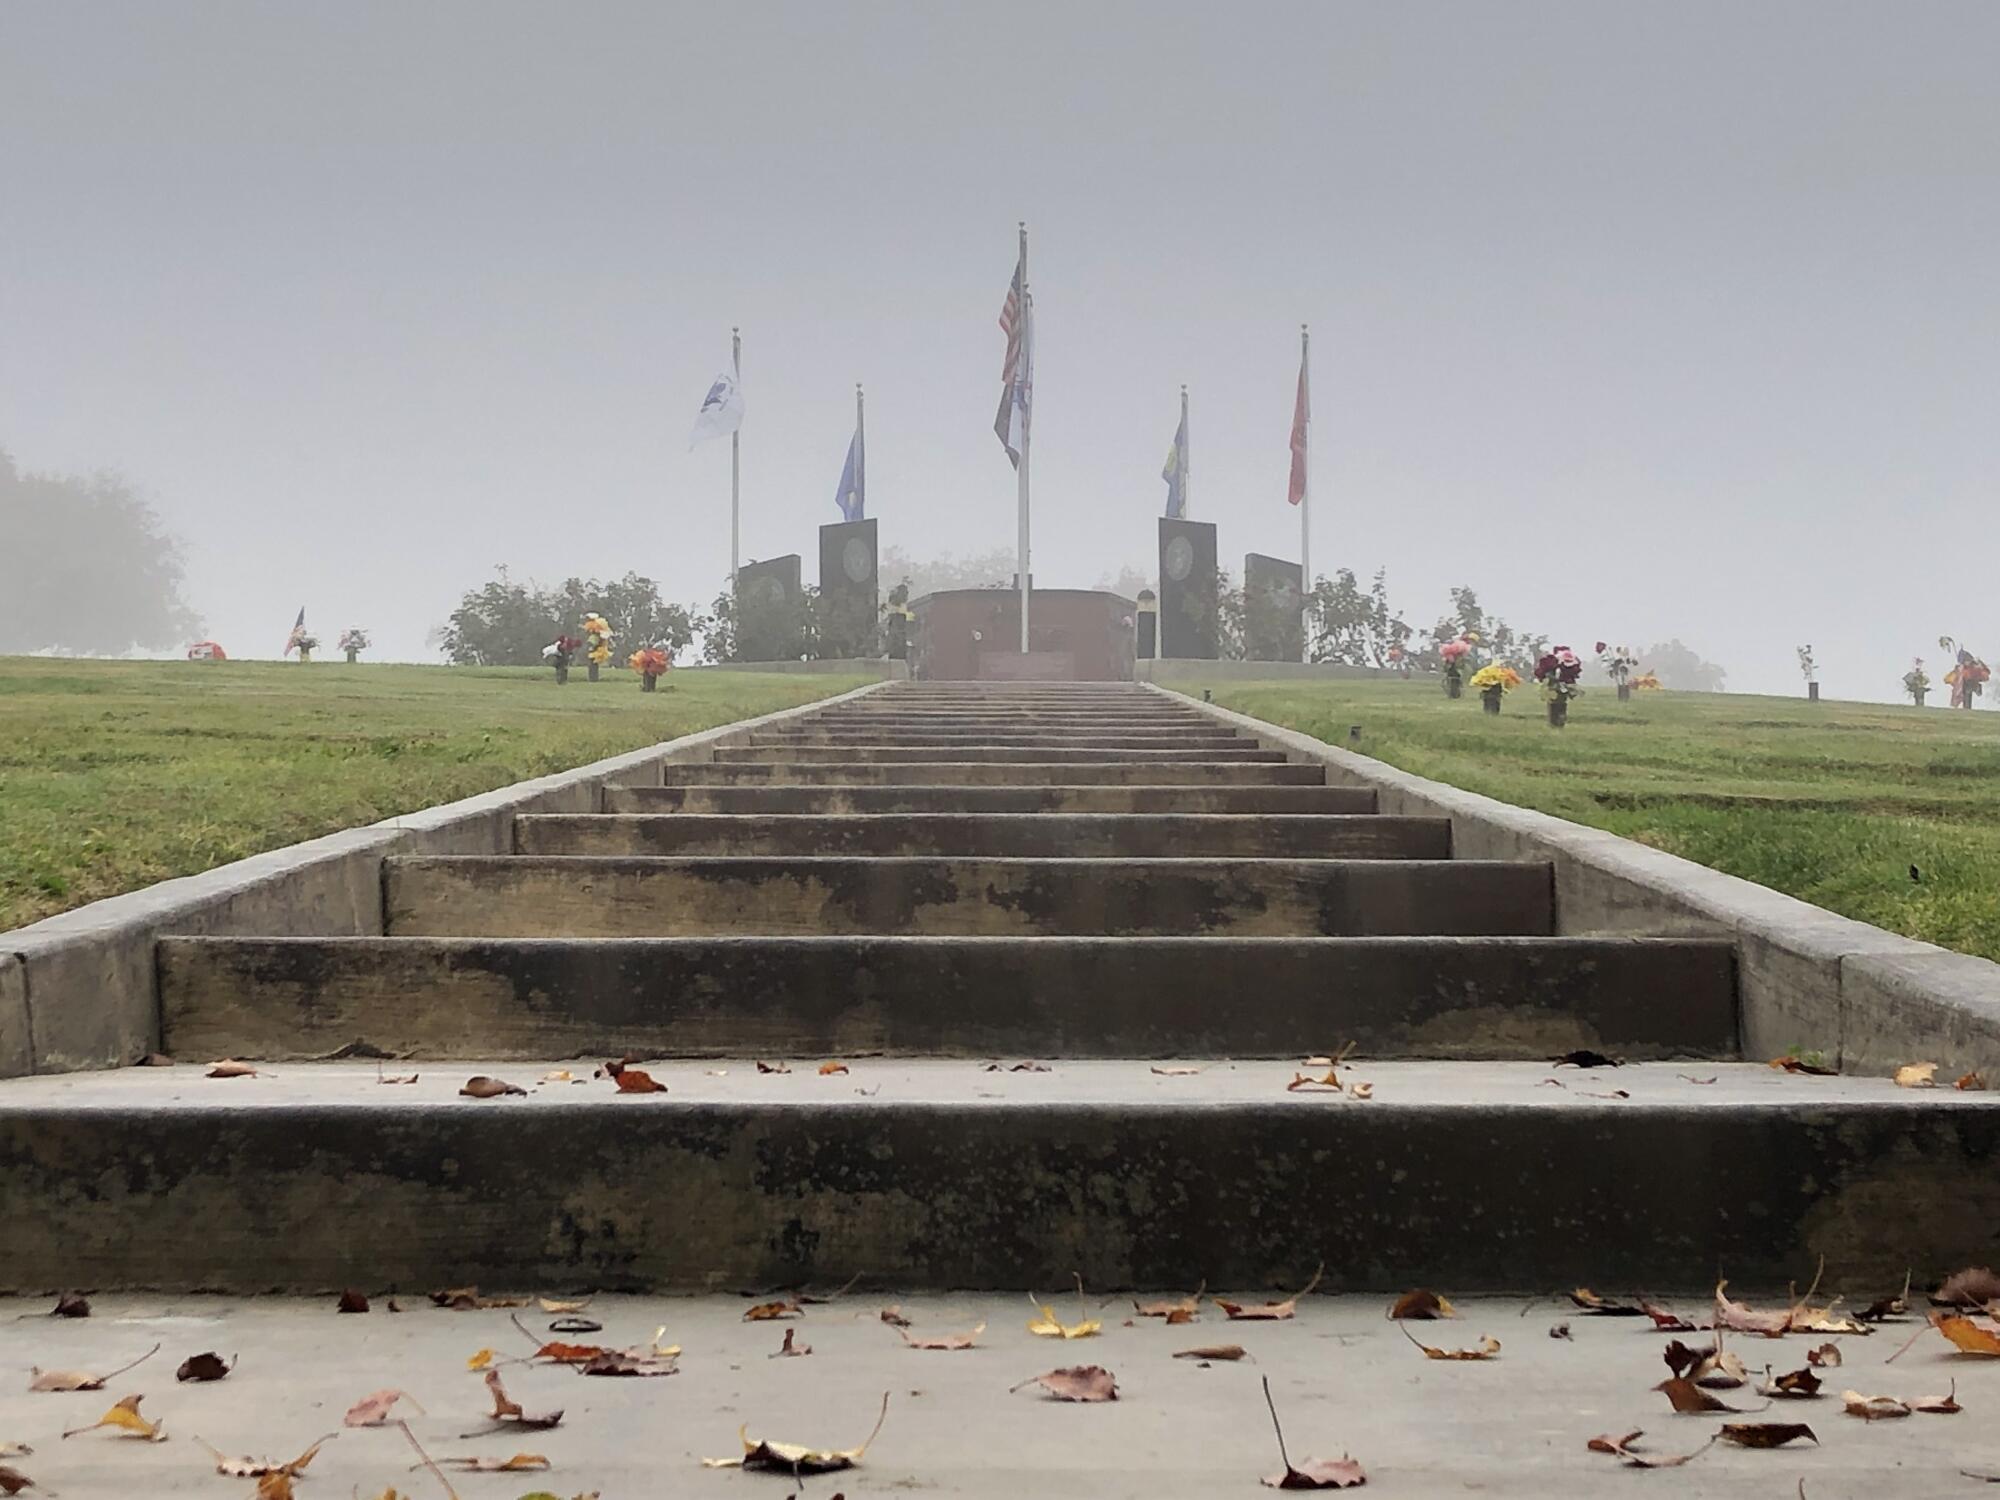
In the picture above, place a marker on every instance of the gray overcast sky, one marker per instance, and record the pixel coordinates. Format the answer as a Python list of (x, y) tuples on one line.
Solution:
[(1645, 320)]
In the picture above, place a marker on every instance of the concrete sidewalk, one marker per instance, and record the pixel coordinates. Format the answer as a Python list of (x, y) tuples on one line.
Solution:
[(1345, 1380)]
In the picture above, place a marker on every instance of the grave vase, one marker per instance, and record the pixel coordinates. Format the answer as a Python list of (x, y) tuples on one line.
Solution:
[(1558, 712), (1490, 699), (1452, 685), (593, 671)]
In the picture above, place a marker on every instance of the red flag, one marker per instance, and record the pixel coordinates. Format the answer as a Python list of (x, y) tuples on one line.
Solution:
[(1295, 492)]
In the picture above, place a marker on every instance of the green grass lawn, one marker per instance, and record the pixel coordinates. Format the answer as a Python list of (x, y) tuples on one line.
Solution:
[(117, 774), (1829, 802)]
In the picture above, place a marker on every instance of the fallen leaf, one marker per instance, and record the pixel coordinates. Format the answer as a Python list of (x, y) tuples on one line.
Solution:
[(1681, 1360), (352, 1301), (1665, 1321), (1939, 1406), (622, 1362), (1970, 1082), (203, 1367), (1825, 1356), (373, 1410), (276, 1485), (13, 1481), (789, 1349), (1690, 1078), (479, 1086), (1720, 1370), (560, 1075), (1975, 1286), (1872, 1408), (1207, 1352), (1917, 1076), (1049, 1326), (1744, 1319), (1689, 1397), (1422, 1305), (1304, 1083), (1341, 1473), (1798, 1384), (1605, 1307), (1269, 1311), (794, 1459), (942, 1341), (381, 1077), (1077, 1383), (1583, 1057), (70, 1305), (551, 1305), (1968, 1335), (80, 1380), (831, 1066), (520, 1463), (1764, 1434), (1029, 1066), (1800, 1065), (765, 1312), (16, 1450), (251, 1468), (1621, 1447), (1167, 1307), (893, 1316), (229, 1067), (1486, 1348), (778, 1067), (125, 1417), (636, 1081), (467, 1299), (1177, 1072), (507, 1411), (1561, 1331)]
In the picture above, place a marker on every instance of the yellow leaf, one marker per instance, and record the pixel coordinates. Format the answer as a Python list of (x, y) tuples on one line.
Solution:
[(1916, 1075), (550, 1305), (794, 1458), (125, 1417), (1970, 1335), (480, 1361), (1049, 1326)]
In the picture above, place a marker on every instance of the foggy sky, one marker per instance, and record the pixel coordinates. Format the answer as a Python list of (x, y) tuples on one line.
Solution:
[(1645, 320)]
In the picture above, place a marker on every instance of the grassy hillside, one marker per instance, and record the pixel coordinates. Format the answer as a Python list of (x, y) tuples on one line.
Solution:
[(117, 774), (1830, 802)]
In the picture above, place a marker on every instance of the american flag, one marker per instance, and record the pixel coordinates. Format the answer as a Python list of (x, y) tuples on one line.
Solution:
[(1017, 369), (298, 633), (1295, 491)]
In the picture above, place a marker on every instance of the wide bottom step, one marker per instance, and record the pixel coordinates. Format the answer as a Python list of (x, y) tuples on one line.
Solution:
[(946, 1174)]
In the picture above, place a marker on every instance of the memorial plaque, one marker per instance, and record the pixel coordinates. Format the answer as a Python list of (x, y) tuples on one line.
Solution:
[(849, 592), (1188, 623), (770, 611), (1272, 601)]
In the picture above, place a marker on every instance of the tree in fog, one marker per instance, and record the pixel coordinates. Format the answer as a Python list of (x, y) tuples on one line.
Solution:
[(85, 568), (505, 623), (1680, 669)]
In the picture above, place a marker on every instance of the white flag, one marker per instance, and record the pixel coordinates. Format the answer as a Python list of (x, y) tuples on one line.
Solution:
[(721, 410)]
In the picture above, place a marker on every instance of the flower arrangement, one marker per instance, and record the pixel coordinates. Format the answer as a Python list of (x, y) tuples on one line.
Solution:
[(650, 662), (1494, 681), (597, 640), (1455, 655), (1648, 682), (1619, 663), (1968, 676), (1557, 672), (1917, 682), (354, 642), (559, 653)]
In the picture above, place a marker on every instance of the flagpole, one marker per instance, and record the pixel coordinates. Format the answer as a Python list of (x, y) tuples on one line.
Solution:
[(1025, 373), (735, 465), (1305, 499), (1187, 443)]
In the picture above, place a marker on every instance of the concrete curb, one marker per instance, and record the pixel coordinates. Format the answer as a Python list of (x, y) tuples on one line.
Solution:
[(81, 989), (1809, 978)]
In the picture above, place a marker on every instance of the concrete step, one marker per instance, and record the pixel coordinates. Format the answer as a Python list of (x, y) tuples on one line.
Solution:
[(1195, 742), (286, 998), (1014, 835), (949, 772), (989, 799), (1035, 754), (1468, 1177), (567, 897)]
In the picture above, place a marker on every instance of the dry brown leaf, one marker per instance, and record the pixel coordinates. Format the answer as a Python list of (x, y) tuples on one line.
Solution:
[(634, 1080), (832, 1066), (1583, 1057), (552, 1306), (560, 1075), (1665, 1321), (765, 1312), (70, 1305), (251, 1468), (1605, 1307), (1304, 1083), (1422, 1305), (276, 1485), (1314, 1473), (1765, 1434), (1269, 1311), (124, 1416), (16, 1450), (1939, 1406), (1486, 1348), (1744, 1319), (893, 1316), (1621, 1447), (1361, 1091), (373, 1410), (1920, 1075), (793, 1458), (776, 1067), (1689, 1397), (229, 1067), (1167, 1307), (467, 1299), (1968, 1335), (13, 1481), (790, 1349), (1791, 1064), (1970, 1082), (1077, 1383), (479, 1086), (1824, 1357), (352, 1301), (1872, 1408), (80, 1380), (943, 1341), (1720, 1370), (520, 1463), (627, 1362), (1975, 1286), (209, 1366), (1796, 1384), (507, 1411), (1225, 1353)]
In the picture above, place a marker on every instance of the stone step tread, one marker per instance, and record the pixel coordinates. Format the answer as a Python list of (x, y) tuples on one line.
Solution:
[(952, 996), (991, 773), (1304, 801), (1030, 754)]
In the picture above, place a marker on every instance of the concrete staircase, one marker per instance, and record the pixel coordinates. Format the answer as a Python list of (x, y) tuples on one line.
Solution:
[(1166, 917)]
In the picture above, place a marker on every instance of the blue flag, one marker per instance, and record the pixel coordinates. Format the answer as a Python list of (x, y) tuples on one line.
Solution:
[(852, 496), (1175, 474)]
